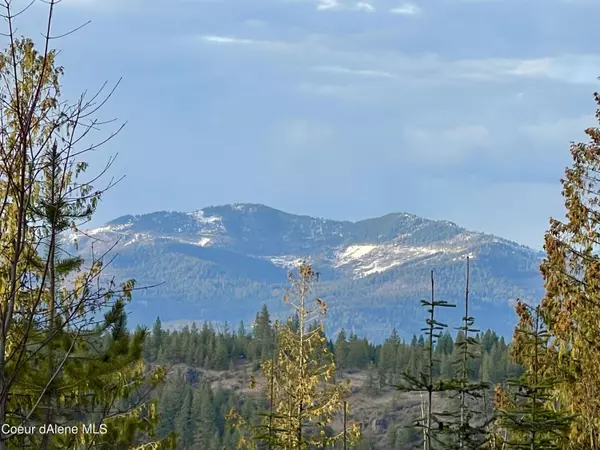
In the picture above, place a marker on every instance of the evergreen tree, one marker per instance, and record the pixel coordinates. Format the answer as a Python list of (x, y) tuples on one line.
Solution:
[(66, 355), (370, 358), (157, 340), (527, 418), (304, 395), (424, 382), (170, 403), (571, 308), (467, 434), (184, 425), (263, 333), (341, 349), (372, 383), (204, 414)]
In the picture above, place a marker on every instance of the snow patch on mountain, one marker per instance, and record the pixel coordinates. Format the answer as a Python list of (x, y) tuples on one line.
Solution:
[(389, 256), (137, 237), (210, 225), (202, 218), (354, 252), (367, 259), (244, 207), (108, 229), (286, 261), (469, 255), (69, 236), (376, 268), (203, 242)]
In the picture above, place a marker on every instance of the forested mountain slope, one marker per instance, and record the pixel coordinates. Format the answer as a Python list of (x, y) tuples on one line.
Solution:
[(220, 263)]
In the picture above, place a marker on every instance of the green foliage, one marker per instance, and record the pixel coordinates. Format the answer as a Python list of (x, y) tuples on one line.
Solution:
[(467, 426), (302, 393), (570, 307), (423, 382), (66, 356), (197, 413), (248, 350), (527, 415)]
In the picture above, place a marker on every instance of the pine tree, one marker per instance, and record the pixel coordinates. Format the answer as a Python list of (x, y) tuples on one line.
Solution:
[(527, 418), (372, 383), (184, 425), (341, 349), (263, 332), (461, 422), (157, 340), (170, 403), (66, 355), (423, 382), (387, 358), (204, 413), (304, 395)]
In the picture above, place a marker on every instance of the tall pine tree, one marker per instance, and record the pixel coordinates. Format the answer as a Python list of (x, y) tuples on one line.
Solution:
[(430, 422), (303, 394), (467, 424)]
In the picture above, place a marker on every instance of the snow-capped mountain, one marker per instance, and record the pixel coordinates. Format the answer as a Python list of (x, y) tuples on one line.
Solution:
[(222, 262)]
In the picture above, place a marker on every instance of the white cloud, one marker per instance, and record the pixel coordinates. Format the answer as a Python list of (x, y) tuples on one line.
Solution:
[(576, 69), (338, 70), (227, 40), (572, 69), (255, 23), (409, 9), (328, 4), (364, 6), (319, 54), (534, 67), (337, 5)]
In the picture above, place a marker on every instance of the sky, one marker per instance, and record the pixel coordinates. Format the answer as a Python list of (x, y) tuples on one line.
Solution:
[(460, 110)]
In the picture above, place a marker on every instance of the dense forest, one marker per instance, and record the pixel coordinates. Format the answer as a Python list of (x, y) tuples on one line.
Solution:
[(226, 349), (199, 420)]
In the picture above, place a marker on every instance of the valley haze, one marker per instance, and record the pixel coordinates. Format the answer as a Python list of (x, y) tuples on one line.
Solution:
[(221, 263)]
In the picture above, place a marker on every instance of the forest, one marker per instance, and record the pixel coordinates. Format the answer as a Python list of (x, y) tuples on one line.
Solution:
[(199, 420), (69, 361)]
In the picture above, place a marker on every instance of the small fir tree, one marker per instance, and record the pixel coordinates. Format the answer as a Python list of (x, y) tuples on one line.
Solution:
[(466, 432), (430, 422), (527, 418)]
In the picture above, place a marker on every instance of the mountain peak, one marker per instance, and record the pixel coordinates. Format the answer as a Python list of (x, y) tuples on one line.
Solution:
[(250, 222), (241, 207)]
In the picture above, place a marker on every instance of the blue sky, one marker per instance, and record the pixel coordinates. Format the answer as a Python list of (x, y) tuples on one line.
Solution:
[(452, 109)]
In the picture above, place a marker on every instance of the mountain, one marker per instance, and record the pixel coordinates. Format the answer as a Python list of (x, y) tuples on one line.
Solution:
[(221, 263)]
